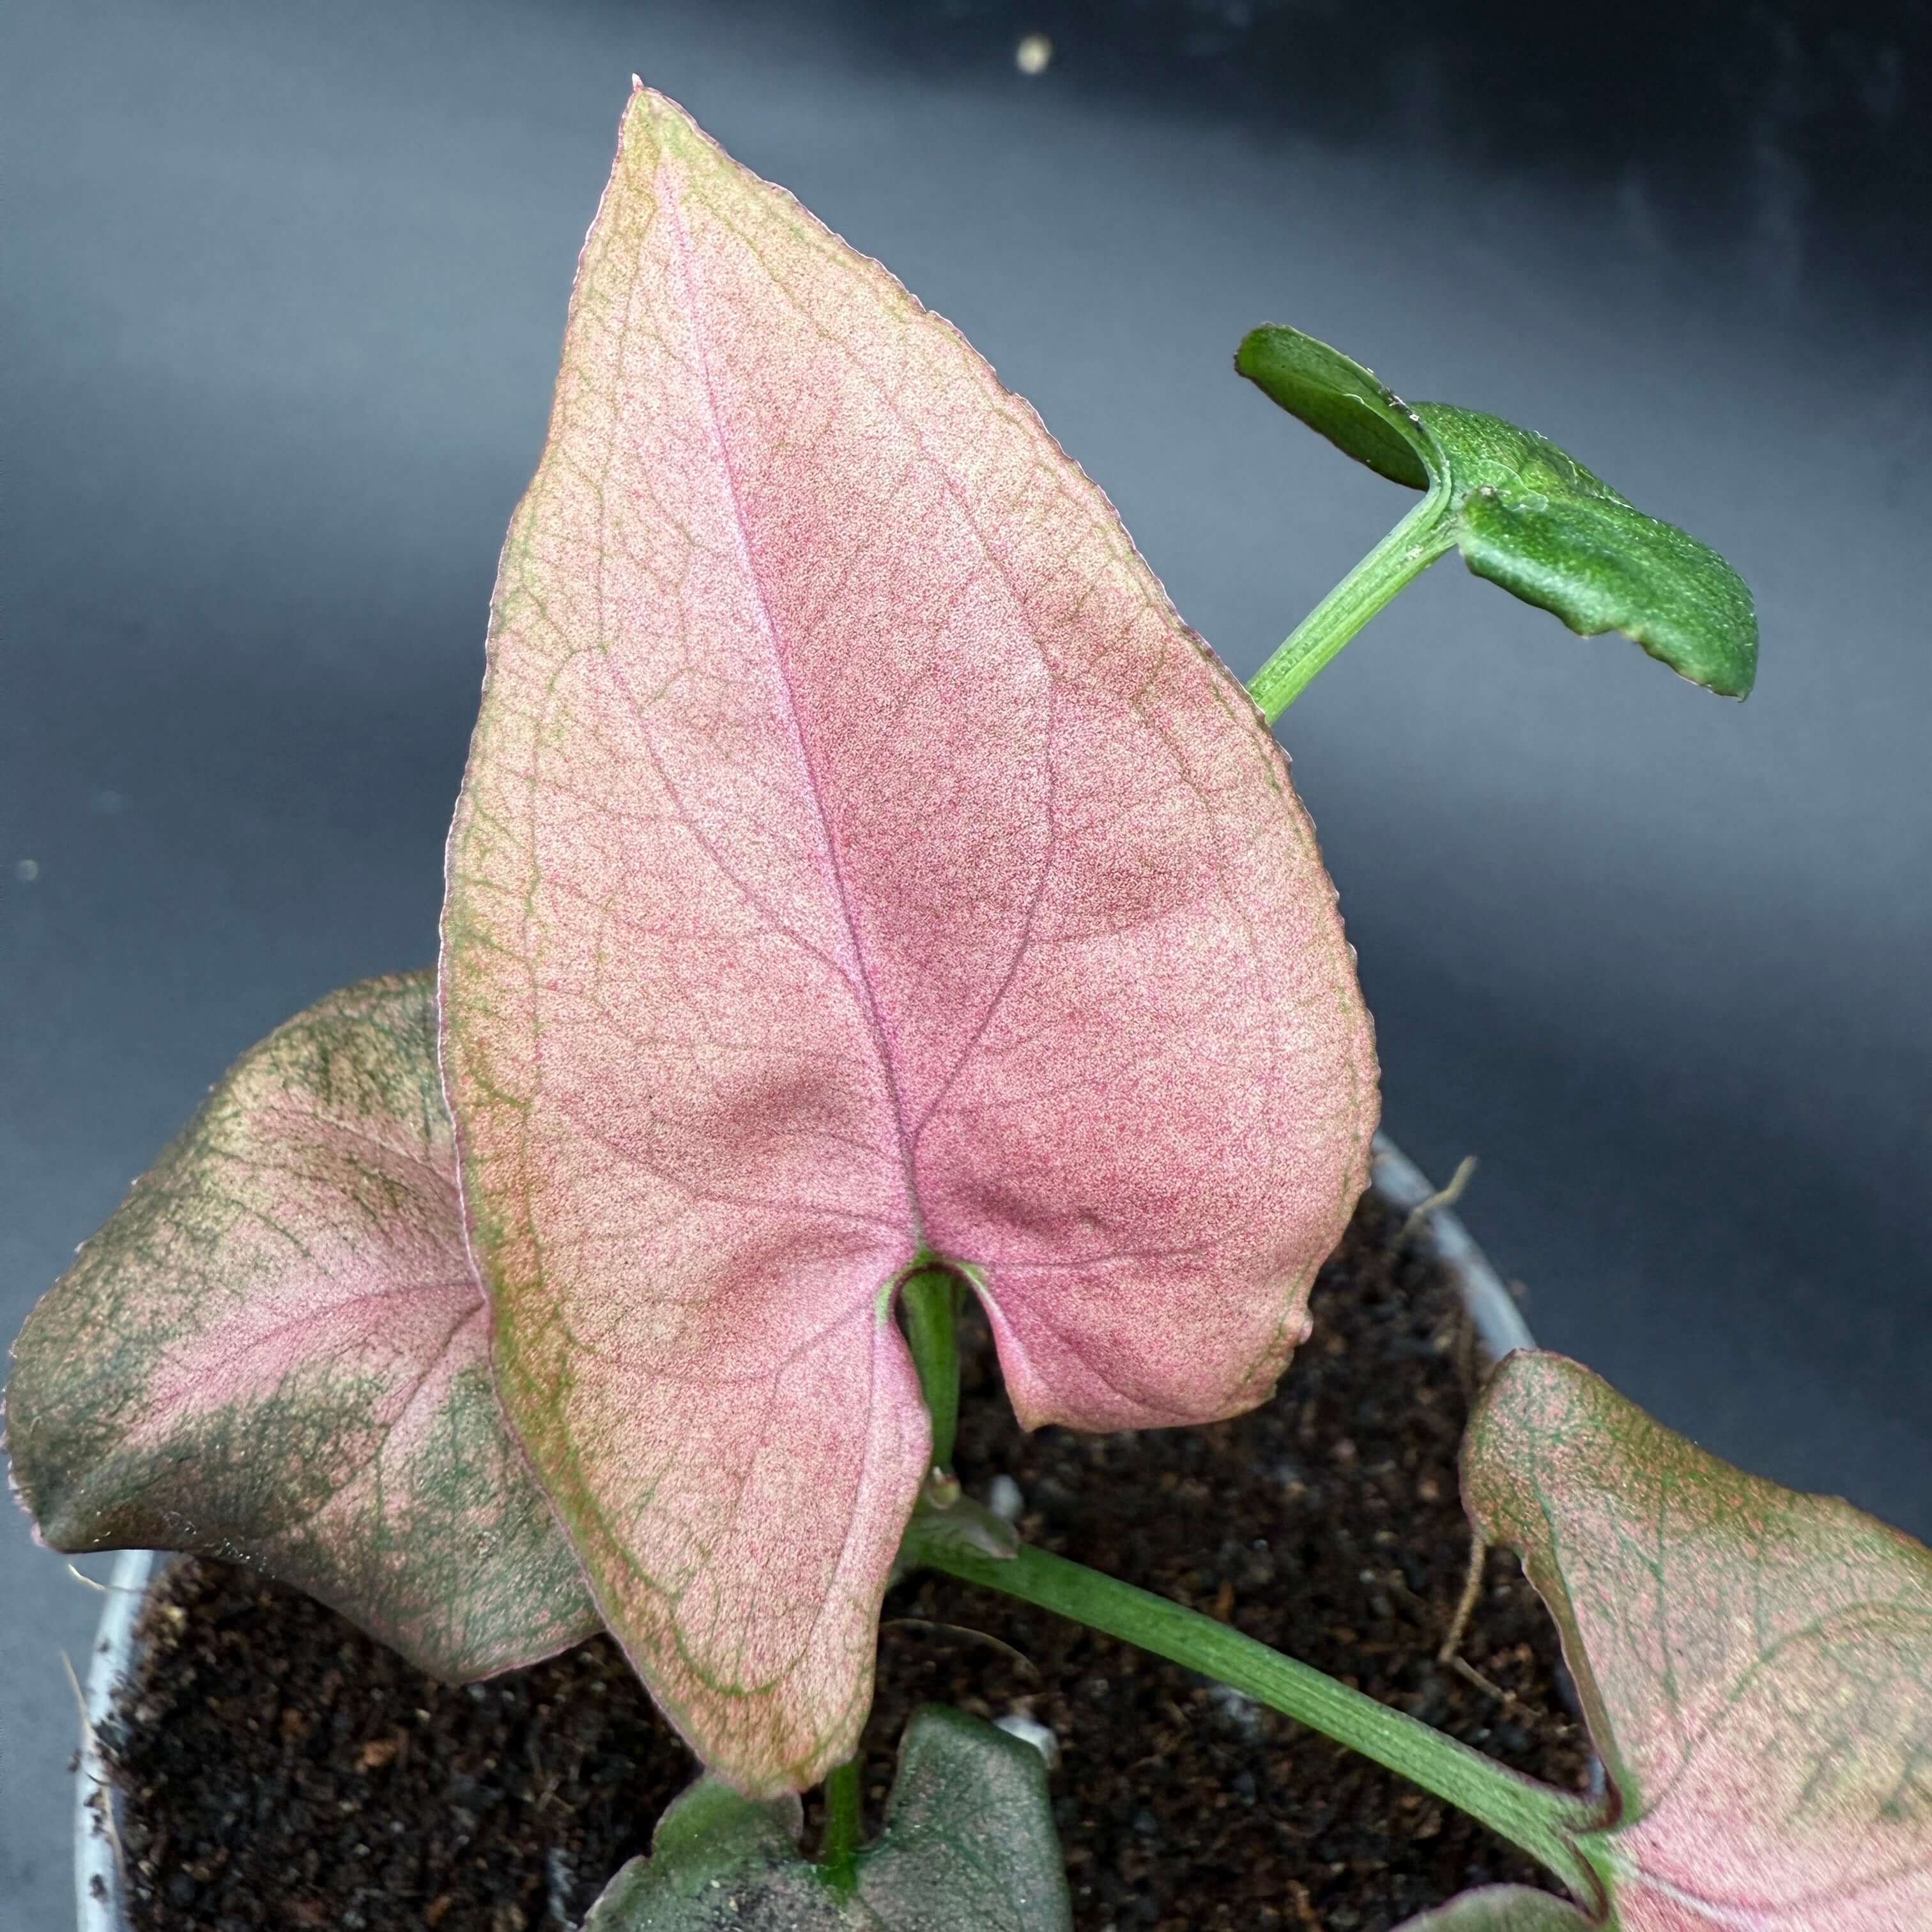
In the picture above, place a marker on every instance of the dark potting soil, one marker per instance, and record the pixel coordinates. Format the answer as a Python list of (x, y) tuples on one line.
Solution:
[(282, 1770)]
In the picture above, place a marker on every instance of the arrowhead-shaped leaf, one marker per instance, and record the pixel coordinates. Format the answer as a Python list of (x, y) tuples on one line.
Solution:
[(968, 1845), (1524, 514), (858, 862), (1755, 1665), (276, 1351)]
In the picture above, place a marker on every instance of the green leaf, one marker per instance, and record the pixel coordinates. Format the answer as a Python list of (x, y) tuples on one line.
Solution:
[(718, 1860), (1755, 1665), (968, 1846), (1525, 515), (1357, 412), (275, 1352), (1503, 1908)]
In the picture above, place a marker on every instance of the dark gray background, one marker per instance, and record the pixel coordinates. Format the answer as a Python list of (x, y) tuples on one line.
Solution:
[(284, 296)]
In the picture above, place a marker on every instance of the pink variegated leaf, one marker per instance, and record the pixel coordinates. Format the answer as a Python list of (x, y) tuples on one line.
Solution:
[(1755, 1665), (858, 862), (277, 1351)]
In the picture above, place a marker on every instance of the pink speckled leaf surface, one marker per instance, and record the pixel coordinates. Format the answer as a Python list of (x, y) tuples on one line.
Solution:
[(276, 1351), (857, 860), (1756, 1665)]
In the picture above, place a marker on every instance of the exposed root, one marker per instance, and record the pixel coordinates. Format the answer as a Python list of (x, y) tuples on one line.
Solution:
[(1464, 1669), (1019, 1656), (1449, 1653), (1472, 1588), (107, 1589), (1444, 1197)]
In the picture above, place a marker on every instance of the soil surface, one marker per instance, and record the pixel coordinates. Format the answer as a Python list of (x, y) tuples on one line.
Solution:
[(283, 1770)]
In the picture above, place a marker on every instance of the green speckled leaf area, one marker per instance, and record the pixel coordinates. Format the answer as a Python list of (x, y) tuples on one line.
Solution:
[(968, 1845), (1525, 515), (1756, 1665), (275, 1352)]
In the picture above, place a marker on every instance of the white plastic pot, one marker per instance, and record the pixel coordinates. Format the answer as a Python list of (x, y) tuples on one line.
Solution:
[(99, 1903), (98, 1906)]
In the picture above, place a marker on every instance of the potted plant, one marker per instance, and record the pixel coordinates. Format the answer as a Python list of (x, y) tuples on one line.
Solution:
[(866, 899)]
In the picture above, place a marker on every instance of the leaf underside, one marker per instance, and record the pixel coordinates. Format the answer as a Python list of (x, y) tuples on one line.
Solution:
[(968, 1845), (275, 1352), (1525, 515), (1755, 1665), (859, 865)]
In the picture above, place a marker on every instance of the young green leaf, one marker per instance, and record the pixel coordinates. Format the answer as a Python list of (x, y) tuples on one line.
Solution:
[(1755, 1665), (1337, 397), (859, 864), (968, 1845), (1519, 1908), (276, 1352), (1523, 513)]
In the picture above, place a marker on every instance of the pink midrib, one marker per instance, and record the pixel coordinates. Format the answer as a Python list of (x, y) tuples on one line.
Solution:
[(857, 976)]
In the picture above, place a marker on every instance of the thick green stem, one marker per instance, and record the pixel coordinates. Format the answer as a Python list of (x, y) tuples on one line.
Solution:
[(931, 1300), (844, 1828), (1402, 556), (1543, 1821)]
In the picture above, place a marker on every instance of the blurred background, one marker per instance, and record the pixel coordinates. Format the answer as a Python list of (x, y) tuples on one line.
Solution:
[(284, 292)]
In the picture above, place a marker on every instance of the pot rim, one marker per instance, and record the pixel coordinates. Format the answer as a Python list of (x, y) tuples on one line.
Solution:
[(1443, 1239), (99, 1903), (98, 1900)]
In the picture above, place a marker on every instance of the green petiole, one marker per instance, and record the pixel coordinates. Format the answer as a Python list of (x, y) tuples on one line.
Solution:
[(930, 1299), (1401, 557), (1544, 1822), (838, 1854)]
